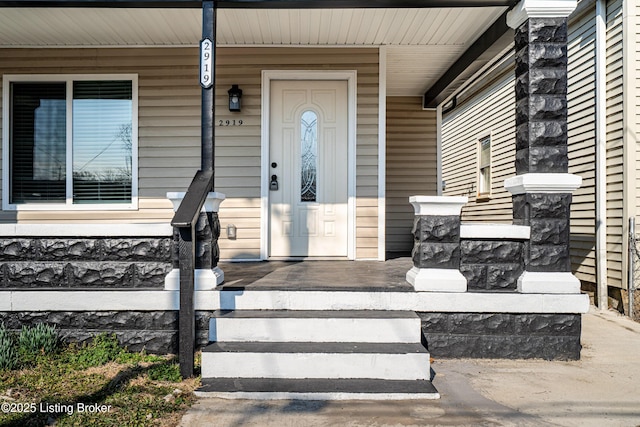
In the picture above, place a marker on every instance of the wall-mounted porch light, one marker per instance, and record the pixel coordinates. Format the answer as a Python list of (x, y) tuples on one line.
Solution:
[(235, 98)]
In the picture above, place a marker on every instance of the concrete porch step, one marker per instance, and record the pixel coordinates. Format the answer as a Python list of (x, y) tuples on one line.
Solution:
[(291, 360), (316, 389), (315, 326)]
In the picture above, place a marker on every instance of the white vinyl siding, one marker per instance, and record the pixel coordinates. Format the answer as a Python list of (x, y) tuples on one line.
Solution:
[(169, 130), (581, 133), (490, 111), (411, 166), (615, 161)]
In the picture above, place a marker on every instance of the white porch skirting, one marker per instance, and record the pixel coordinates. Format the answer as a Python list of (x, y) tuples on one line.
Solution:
[(453, 302)]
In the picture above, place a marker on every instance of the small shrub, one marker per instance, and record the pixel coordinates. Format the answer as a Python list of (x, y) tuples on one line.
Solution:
[(104, 348), (165, 372), (40, 339), (8, 349)]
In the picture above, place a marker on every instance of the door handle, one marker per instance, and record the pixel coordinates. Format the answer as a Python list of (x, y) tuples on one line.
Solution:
[(273, 185)]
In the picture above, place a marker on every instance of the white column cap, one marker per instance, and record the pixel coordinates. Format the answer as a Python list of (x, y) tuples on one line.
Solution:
[(543, 183), (526, 9), (438, 205), (211, 204)]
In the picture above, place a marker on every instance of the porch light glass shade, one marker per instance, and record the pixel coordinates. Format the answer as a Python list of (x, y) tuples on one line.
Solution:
[(235, 98)]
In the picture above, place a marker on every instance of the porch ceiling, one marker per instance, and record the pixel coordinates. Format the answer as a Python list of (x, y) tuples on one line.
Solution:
[(421, 43)]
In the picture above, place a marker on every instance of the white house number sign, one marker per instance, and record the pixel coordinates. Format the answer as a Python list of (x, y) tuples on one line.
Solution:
[(206, 63)]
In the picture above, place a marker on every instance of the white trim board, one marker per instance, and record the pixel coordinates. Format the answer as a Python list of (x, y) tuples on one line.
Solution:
[(450, 302), (382, 153), (350, 76), (87, 230)]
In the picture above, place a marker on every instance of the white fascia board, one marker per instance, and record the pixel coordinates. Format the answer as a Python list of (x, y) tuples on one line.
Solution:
[(526, 9), (543, 183), (438, 205), (495, 231), (87, 230)]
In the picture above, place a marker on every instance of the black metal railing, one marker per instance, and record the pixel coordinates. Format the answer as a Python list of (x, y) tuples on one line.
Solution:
[(184, 221)]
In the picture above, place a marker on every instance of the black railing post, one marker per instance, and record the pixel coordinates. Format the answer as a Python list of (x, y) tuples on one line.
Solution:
[(208, 86), (185, 220), (187, 319)]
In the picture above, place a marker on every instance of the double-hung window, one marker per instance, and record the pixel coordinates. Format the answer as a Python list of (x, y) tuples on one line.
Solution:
[(484, 166), (70, 142)]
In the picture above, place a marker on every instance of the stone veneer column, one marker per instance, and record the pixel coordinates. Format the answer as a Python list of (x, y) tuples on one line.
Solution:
[(207, 275), (436, 250), (542, 188)]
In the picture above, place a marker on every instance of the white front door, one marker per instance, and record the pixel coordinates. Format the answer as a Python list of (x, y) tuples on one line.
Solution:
[(308, 192)]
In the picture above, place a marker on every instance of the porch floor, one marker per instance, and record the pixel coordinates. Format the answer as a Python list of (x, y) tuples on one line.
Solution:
[(318, 275)]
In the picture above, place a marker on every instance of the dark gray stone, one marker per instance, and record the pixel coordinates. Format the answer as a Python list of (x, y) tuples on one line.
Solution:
[(540, 108), (436, 255), (490, 251), (495, 347), (541, 31), (549, 231), (545, 81), (436, 241), (476, 276), (502, 335), (540, 55), (540, 134), (154, 331), (503, 276), (542, 160), (542, 205), (443, 229), (83, 274), (99, 249), (549, 258), (545, 324)]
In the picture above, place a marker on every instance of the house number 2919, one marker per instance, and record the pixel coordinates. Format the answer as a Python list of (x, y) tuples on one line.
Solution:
[(233, 122), (206, 63)]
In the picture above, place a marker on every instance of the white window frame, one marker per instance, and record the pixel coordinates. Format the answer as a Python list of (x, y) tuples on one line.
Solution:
[(482, 137), (68, 79)]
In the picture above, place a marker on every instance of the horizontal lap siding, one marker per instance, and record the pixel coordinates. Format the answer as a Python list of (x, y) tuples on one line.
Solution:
[(615, 159), (168, 111), (581, 132), (411, 166), (492, 110), (169, 129)]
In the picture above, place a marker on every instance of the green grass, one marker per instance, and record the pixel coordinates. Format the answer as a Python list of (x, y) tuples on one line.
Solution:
[(133, 389)]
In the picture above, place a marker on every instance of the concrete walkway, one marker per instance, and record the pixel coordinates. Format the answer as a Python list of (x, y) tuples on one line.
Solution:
[(602, 389)]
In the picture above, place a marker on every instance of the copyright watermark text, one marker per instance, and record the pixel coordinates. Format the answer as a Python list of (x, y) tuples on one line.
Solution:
[(54, 408)]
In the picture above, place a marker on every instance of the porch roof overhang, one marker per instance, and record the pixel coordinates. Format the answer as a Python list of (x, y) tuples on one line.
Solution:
[(430, 44), (261, 4)]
